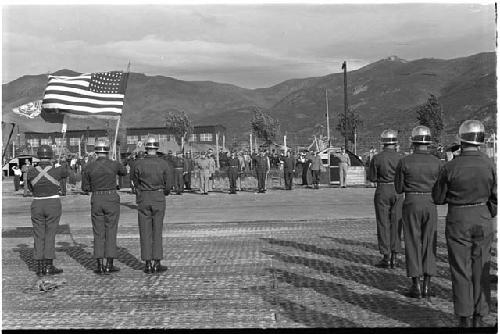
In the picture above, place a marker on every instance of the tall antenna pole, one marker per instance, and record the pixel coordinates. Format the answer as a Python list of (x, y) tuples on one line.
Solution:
[(327, 118), (344, 67)]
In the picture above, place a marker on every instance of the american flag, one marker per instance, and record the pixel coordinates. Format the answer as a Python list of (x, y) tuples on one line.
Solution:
[(89, 94)]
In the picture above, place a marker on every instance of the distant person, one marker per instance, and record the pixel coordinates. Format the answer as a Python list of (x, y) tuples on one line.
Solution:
[(203, 166), (344, 164), (233, 171), (316, 169), (289, 166), (17, 177), (468, 185), (178, 162), (24, 169), (262, 167), (188, 170)]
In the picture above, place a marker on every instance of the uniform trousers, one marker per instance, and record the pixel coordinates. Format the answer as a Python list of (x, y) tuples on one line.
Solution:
[(45, 216), (288, 175), (187, 180), (315, 175), (25, 184), (261, 180), (178, 180), (17, 182), (233, 176), (204, 181), (469, 235), (343, 167), (420, 234), (151, 211), (105, 214), (388, 215)]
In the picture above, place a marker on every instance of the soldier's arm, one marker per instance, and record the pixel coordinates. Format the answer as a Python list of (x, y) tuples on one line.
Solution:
[(348, 160), (492, 201), (399, 178), (440, 188)]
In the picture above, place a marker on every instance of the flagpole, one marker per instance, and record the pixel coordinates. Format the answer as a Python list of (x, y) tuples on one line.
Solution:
[(63, 130), (118, 122), (327, 118), (8, 142)]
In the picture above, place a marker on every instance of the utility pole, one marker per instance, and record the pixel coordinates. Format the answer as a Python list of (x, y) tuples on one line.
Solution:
[(327, 118), (344, 67)]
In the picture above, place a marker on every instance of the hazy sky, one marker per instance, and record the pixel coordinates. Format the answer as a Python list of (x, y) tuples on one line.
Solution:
[(247, 45)]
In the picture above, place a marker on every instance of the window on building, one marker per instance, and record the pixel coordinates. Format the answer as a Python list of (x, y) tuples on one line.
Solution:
[(192, 137), (103, 139), (205, 137), (33, 142), (45, 141), (132, 140), (59, 141), (164, 137), (91, 141), (144, 138), (74, 141)]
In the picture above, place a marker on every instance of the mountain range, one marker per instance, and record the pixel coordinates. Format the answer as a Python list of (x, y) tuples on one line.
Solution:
[(385, 94)]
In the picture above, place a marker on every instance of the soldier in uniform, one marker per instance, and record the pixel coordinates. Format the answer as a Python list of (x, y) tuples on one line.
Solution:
[(203, 165), (188, 169), (344, 164), (99, 178), (289, 165), (468, 185), (415, 177), (387, 202), (25, 169), (151, 178), (43, 180), (212, 166), (315, 169), (178, 162), (234, 167), (262, 167)]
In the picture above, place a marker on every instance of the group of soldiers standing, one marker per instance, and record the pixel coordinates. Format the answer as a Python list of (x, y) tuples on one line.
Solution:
[(467, 184)]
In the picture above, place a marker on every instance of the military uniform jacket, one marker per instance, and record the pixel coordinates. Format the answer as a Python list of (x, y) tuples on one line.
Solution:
[(383, 166), (44, 179), (289, 163), (188, 165), (316, 162), (234, 163), (203, 165), (417, 173), (101, 174), (178, 162), (468, 179), (151, 173), (262, 163)]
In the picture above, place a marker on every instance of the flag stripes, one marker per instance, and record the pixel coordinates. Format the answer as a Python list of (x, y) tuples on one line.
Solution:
[(91, 94)]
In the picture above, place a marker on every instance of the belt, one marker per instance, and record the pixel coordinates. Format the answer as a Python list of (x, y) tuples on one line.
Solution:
[(151, 189), (47, 197), (417, 193), (233, 166), (104, 192), (466, 205), (385, 182), (178, 167)]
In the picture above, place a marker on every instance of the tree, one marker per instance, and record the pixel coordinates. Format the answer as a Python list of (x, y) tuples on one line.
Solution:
[(265, 126), (348, 127), (430, 114), (180, 124)]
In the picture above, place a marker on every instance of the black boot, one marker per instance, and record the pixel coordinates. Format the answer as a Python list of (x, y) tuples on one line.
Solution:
[(158, 268), (50, 269), (465, 322), (110, 268), (394, 260), (384, 263), (40, 267), (100, 268), (426, 288), (415, 289), (149, 268)]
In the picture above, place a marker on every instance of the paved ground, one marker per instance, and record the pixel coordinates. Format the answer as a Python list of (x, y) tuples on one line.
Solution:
[(282, 259)]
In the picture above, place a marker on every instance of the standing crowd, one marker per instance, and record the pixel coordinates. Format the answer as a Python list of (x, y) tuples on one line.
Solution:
[(408, 190)]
